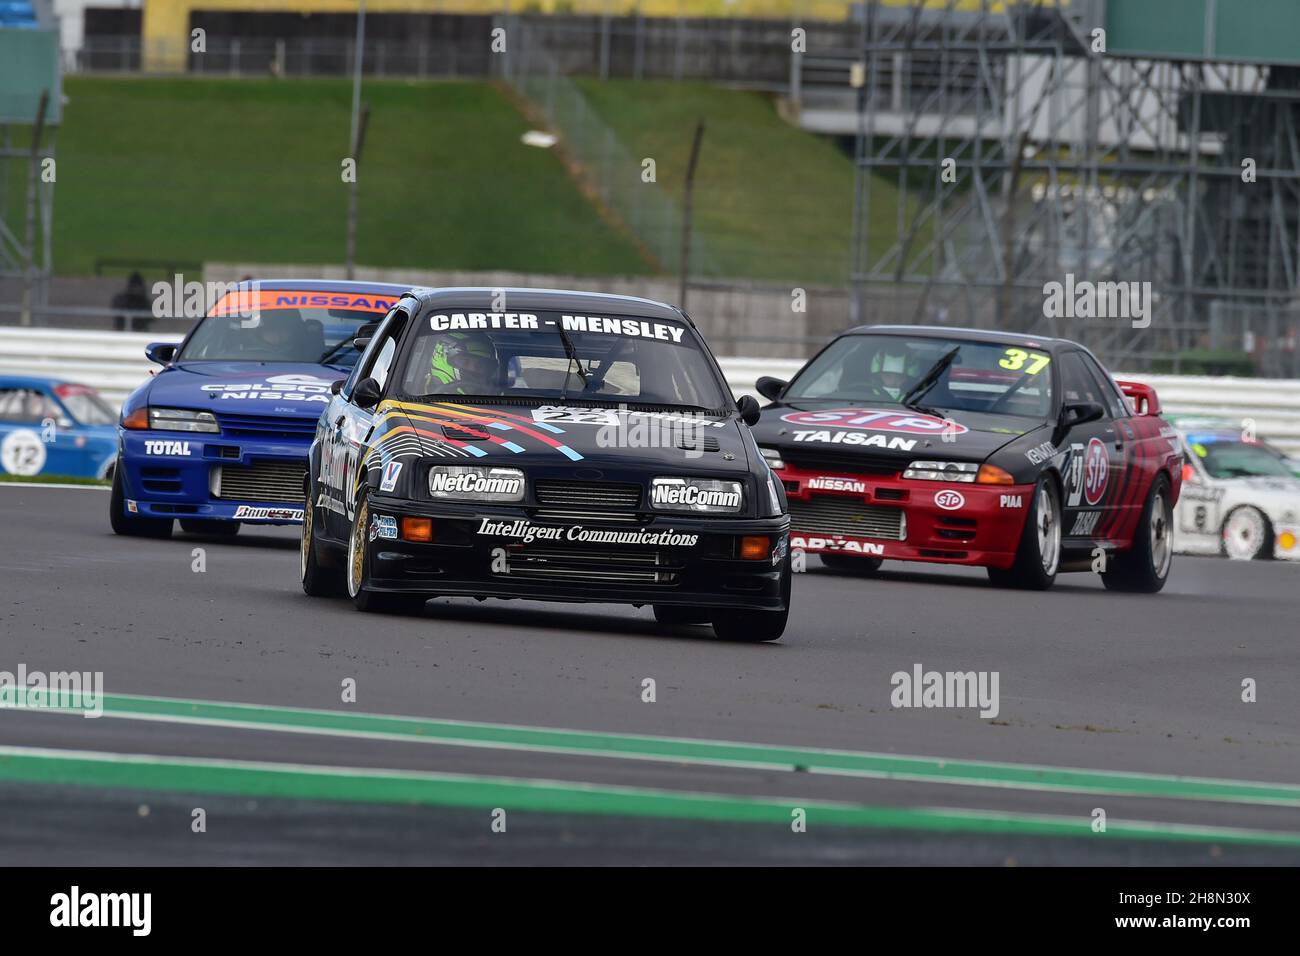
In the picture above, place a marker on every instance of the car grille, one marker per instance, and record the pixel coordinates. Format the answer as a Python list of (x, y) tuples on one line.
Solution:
[(826, 515), (262, 481), (586, 496), (267, 426), (849, 464), (593, 566)]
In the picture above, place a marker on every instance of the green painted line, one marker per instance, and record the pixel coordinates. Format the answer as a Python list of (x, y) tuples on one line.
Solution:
[(298, 781), (710, 752)]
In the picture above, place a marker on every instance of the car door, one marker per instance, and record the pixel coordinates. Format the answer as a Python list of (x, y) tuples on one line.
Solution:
[(30, 423), (347, 428), (1095, 467)]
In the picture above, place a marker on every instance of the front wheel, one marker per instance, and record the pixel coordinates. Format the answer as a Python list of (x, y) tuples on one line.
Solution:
[(131, 525), (319, 570), (358, 572), (756, 626), (1038, 556), (1247, 535), (1144, 568)]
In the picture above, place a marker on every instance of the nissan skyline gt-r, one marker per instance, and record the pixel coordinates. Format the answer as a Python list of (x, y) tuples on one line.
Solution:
[(219, 437), (952, 446), (51, 427), (1240, 498), (546, 445)]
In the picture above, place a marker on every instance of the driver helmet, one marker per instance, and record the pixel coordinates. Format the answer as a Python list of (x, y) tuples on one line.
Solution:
[(890, 368), (467, 361)]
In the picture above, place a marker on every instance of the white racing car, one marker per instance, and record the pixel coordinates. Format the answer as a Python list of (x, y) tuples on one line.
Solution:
[(1240, 495)]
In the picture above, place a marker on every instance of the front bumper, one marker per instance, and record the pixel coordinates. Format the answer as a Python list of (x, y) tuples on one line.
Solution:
[(488, 554), (885, 516), (212, 477)]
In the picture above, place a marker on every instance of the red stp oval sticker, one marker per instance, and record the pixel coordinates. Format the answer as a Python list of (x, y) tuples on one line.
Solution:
[(909, 423)]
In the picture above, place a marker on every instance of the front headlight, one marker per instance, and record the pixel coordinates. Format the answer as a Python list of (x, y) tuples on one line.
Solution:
[(480, 484), (182, 420), (942, 471), (695, 494), (773, 458)]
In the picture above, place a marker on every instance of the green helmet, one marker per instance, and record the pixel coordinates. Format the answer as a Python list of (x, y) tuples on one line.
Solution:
[(464, 357)]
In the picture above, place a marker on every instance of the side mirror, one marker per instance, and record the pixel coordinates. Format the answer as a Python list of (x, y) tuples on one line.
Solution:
[(749, 410), (366, 394), (1081, 413), (161, 353), (337, 386), (769, 387)]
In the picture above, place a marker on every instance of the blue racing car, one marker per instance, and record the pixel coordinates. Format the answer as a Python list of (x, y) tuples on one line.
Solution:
[(50, 427), (219, 437)]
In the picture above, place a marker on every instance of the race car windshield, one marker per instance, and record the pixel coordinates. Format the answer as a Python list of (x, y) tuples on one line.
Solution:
[(1239, 459), (308, 335), (600, 359), (941, 374), (85, 405)]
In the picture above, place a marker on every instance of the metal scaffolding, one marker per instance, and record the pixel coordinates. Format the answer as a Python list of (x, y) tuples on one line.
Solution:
[(1072, 160)]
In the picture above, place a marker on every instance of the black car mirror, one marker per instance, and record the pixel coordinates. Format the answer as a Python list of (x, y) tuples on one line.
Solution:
[(749, 410), (769, 387), (366, 394), (161, 352), (337, 386), (1081, 413)]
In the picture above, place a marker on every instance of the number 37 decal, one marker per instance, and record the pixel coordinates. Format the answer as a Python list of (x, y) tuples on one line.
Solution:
[(1031, 362)]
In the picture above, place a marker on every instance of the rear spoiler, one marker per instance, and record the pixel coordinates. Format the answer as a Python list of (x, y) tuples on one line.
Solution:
[(1141, 397)]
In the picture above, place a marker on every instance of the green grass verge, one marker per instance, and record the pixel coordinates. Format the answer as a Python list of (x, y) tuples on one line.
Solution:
[(771, 201), (51, 480), (249, 171)]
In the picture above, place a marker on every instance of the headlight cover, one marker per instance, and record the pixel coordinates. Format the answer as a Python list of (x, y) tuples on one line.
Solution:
[(772, 457), (696, 494), (466, 482), (964, 471), (182, 420)]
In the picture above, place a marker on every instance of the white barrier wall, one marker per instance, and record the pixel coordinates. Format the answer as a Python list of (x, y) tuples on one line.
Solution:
[(114, 363)]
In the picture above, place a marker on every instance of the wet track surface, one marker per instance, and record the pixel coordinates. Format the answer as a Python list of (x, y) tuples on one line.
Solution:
[(1088, 680)]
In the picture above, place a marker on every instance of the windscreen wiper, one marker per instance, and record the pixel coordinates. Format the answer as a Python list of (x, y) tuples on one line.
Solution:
[(571, 351), (911, 398)]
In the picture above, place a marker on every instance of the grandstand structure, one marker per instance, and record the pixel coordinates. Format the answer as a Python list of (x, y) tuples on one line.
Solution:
[(1164, 150), (31, 108)]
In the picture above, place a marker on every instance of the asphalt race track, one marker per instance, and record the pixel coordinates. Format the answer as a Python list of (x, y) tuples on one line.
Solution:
[(532, 715)]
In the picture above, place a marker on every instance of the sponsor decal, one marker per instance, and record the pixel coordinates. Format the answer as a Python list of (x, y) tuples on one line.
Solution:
[(463, 483), (665, 494), (383, 526), (779, 551), (276, 388), (829, 483), (1096, 471), (875, 420), (1041, 453), (1010, 501), (456, 321), (637, 328), (950, 500), (563, 415), (837, 543), (132, 506), (167, 448), (22, 452), (252, 513), (1085, 523), (391, 471), (528, 532), (856, 438)]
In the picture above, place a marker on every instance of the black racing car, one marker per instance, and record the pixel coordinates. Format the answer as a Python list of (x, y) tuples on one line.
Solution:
[(559, 446)]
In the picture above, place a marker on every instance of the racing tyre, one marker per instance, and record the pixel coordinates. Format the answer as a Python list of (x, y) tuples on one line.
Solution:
[(755, 626), (129, 525), (673, 615), (222, 529), (1038, 556), (1247, 534), (1144, 568), (358, 572), (848, 564), (318, 566)]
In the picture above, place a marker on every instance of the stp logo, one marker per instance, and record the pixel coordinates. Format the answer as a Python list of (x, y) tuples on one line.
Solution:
[(1096, 471), (949, 500), (876, 420)]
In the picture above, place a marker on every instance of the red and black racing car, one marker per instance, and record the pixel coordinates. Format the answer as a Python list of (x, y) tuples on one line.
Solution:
[(954, 446)]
